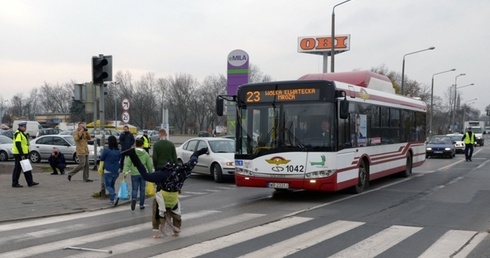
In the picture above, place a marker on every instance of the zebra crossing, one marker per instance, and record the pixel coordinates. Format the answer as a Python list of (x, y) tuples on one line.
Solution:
[(289, 236)]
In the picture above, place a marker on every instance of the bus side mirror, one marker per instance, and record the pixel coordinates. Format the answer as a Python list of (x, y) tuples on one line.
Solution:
[(219, 106), (344, 109)]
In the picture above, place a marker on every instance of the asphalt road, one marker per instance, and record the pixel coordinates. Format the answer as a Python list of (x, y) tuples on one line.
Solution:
[(443, 209)]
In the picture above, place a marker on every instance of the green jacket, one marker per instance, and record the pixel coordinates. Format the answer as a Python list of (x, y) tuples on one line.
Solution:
[(163, 152), (144, 158)]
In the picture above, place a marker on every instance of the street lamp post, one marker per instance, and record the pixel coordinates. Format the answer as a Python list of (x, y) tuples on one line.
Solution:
[(403, 66), (332, 48), (464, 107), (432, 99), (453, 121)]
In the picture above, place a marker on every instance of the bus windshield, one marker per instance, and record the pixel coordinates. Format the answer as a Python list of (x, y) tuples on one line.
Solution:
[(283, 127)]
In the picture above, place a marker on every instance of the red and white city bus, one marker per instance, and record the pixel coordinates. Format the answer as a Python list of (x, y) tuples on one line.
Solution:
[(325, 132)]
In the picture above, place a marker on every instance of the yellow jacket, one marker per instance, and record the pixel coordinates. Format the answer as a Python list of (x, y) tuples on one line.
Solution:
[(19, 136)]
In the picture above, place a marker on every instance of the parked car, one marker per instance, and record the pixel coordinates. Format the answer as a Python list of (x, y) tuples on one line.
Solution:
[(48, 131), (203, 134), (441, 146), (96, 134), (42, 147), (152, 134), (6, 148), (218, 162), (67, 132), (9, 133), (459, 144)]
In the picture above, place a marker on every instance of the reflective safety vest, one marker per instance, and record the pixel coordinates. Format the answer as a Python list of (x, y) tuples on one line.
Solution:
[(19, 136), (146, 142), (468, 139)]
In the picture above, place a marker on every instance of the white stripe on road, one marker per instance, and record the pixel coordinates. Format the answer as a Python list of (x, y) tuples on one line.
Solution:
[(132, 245), (378, 243), (242, 236), (449, 243), (305, 240), (77, 241)]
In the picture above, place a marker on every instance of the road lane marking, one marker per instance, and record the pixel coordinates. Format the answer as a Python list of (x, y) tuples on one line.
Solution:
[(378, 243)]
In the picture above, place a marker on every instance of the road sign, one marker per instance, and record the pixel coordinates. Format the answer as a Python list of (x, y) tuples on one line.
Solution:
[(125, 116), (125, 104)]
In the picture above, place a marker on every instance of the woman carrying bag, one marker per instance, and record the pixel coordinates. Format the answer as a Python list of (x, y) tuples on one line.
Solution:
[(110, 166)]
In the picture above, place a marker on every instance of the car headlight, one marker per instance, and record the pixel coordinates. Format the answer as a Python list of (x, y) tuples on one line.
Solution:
[(448, 149), (429, 148), (230, 163)]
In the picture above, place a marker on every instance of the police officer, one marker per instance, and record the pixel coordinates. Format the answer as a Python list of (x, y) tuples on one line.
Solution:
[(146, 141), (20, 149), (469, 141)]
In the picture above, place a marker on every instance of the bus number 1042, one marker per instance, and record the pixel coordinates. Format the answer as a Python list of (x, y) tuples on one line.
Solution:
[(298, 168)]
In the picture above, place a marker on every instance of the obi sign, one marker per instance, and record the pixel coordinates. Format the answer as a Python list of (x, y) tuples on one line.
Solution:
[(321, 44)]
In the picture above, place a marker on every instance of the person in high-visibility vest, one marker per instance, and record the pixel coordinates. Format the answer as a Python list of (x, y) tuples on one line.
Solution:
[(469, 141), (20, 149), (146, 141)]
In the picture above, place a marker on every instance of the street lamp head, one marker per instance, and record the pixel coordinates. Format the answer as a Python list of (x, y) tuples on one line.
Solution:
[(432, 48), (454, 69)]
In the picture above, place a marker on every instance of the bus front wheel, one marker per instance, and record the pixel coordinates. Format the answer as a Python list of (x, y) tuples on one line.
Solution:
[(362, 179), (408, 168)]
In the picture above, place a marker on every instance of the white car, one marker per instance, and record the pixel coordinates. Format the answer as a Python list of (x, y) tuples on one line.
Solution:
[(42, 147), (5, 148), (459, 145), (218, 162)]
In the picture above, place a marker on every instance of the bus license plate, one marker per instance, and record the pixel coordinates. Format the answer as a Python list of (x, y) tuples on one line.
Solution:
[(279, 185)]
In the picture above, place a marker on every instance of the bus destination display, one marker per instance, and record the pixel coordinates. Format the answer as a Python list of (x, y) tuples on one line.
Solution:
[(282, 95)]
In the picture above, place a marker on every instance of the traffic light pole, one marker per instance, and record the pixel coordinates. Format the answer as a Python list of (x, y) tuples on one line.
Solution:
[(102, 136)]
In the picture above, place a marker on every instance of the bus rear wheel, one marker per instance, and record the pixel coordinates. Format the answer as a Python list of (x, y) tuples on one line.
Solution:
[(362, 179)]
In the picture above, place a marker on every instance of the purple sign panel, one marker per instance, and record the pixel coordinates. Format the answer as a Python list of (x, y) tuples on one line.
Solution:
[(237, 70)]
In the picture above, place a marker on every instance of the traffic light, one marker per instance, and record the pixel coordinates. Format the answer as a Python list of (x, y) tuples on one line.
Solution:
[(101, 69)]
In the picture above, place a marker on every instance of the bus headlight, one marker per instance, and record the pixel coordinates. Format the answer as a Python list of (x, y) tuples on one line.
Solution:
[(320, 174), (244, 172)]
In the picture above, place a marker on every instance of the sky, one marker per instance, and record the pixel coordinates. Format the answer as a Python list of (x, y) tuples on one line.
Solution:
[(53, 41)]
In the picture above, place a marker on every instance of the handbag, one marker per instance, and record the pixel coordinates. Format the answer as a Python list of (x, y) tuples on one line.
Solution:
[(150, 189), (123, 192), (26, 165), (100, 170)]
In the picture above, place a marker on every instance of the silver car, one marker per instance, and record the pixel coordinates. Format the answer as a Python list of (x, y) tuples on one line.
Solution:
[(5, 148), (218, 162), (42, 147), (459, 144)]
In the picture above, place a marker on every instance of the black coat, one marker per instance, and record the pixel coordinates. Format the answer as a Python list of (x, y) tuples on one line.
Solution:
[(126, 140)]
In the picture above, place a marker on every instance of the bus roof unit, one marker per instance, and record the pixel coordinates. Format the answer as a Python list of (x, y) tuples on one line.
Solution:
[(365, 79)]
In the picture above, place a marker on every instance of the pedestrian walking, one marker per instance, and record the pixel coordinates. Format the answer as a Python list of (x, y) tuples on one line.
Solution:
[(126, 139), (163, 151), (111, 156), (137, 181), (146, 141), (81, 137), (20, 149), (469, 142), (57, 162)]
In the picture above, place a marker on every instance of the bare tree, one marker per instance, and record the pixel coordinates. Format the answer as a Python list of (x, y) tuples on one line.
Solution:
[(179, 97)]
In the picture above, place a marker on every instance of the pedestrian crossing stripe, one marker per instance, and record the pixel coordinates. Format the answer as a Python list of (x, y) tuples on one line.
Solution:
[(378, 243), (451, 242), (454, 243), (222, 242)]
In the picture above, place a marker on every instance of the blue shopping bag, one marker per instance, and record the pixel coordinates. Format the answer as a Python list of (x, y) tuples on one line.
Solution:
[(123, 193)]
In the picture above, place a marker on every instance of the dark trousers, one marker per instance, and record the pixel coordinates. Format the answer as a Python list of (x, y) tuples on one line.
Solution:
[(18, 170), (121, 162), (468, 151), (60, 166)]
